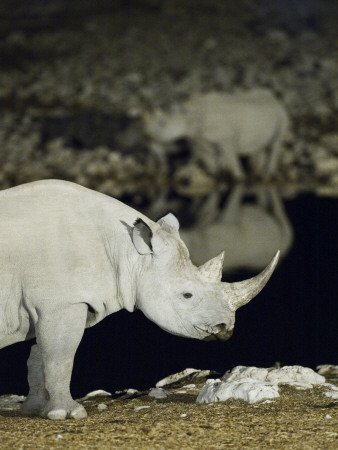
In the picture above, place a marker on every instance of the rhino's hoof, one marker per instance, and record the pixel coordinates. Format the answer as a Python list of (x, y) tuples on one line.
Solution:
[(57, 414), (33, 405), (61, 414), (78, 413)]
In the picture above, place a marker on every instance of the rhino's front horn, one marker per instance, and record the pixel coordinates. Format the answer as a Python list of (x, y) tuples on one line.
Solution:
[(241, 292), (212, 270)]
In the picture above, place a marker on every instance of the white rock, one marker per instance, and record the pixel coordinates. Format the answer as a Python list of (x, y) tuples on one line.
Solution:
[(11, 402), (183, 415), (298, 386), (97, 393), (254, 384), (159, 393), (138, 408), (240, 372), (298, 374), (178, 376), (332, 394), (328, 416), (331, 386), (129, 391), (248, 389), (102, 406)]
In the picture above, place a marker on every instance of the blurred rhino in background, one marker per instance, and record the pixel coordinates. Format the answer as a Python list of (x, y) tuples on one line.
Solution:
[(250, 225), (221, 128), (71, 256)]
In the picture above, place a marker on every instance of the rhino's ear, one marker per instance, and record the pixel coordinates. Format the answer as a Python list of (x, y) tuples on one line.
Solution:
[(141, 236), (169, 223)]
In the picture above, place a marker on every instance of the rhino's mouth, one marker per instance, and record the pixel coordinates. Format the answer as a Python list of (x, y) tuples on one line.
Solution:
[(213, 332)]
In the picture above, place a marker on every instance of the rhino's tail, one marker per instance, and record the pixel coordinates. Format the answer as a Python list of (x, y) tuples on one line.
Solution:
[(10, 302)]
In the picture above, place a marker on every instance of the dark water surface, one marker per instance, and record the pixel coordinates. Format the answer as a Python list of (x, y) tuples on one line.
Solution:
[(293, 320)]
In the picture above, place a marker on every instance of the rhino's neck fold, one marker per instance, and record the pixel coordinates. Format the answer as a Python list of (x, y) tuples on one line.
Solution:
[(125, 266)]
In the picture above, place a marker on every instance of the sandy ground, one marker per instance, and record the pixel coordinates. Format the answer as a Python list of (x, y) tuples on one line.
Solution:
[(299, 419)]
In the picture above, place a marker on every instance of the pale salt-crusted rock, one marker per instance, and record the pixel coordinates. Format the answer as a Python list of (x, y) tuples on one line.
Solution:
[(138, 408), (247, 389), (294, 375), (180, 375), (331, 386), (159, 393), (97, 393), (129, 391), (11, 402), (332, 394), (102, 406), (254, 384), (299, 386), (240, 372)]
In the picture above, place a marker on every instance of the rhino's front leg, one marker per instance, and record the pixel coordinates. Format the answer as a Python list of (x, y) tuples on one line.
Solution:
[(58, 333), (229, 159), (259, 163), (204, 153), (37, 395)]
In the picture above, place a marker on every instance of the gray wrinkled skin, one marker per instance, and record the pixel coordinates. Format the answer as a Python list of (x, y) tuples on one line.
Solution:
[(71, 256)]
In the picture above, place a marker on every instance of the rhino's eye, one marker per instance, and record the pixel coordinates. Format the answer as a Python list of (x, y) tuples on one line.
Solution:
[(187, 295)]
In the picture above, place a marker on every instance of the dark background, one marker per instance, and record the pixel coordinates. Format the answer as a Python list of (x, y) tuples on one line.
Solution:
[(293, 321)]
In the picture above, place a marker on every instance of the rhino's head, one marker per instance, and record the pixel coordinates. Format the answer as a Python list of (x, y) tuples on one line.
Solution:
[(184, 299), (165, 127)]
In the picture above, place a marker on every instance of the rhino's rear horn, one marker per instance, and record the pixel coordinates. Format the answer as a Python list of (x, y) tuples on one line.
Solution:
[(212, 269), (241, 292)]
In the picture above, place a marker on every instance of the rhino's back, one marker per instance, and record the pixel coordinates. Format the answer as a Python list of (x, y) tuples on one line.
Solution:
[(248, 120), (47, 204), (58, 233)]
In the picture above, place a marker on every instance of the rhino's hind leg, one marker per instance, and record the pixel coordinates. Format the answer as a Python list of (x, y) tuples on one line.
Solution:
[(37, 395), (59, 333)]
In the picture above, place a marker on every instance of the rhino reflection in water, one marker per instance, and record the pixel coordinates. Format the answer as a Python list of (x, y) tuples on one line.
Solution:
[(71, 256), (250, 233)]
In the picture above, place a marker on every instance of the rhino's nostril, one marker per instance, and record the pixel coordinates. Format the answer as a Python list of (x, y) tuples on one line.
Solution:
[(221, 327), (224, 333)]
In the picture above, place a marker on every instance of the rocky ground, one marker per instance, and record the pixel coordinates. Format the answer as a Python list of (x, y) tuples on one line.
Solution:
[(298, 419), (75, 81)]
